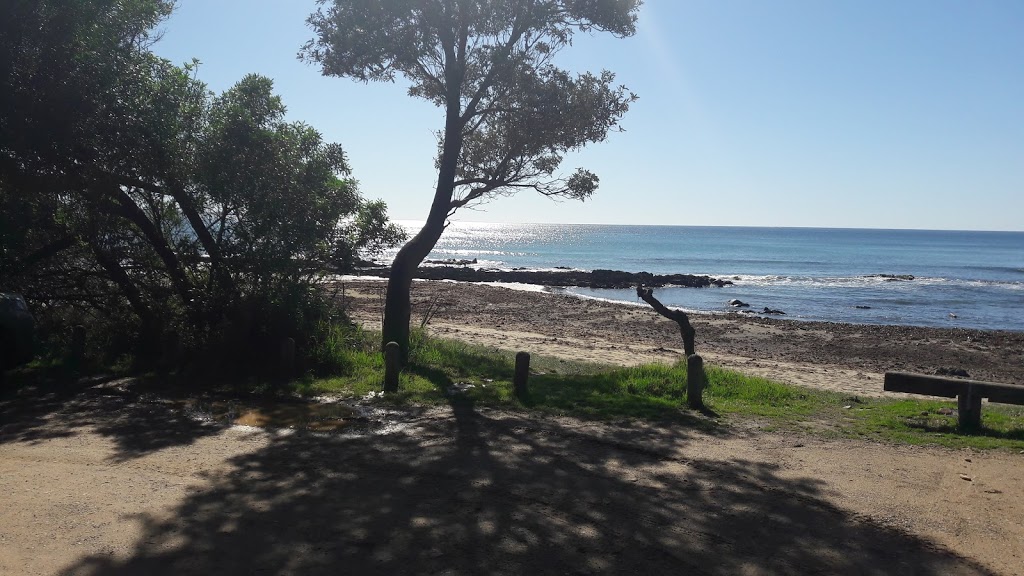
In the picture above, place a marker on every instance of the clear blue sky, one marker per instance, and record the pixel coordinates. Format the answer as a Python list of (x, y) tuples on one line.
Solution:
[(856, 113)]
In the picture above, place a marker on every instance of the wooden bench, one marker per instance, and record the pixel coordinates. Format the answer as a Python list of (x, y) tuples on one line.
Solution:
[(967, 392)]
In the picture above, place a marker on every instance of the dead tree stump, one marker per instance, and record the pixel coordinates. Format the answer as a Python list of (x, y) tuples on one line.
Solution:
[(677, 316)]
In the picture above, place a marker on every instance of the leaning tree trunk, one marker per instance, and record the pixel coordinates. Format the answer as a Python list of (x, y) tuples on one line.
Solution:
[(677, 316), (398, 304)]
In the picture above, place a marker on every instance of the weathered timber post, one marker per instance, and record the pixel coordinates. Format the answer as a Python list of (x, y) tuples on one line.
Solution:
[(695, 381), (522, 374), (968, 406), (288, 357), (77, 346), (392, 354)]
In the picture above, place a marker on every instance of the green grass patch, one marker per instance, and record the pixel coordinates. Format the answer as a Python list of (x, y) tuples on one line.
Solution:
[(445, 371)]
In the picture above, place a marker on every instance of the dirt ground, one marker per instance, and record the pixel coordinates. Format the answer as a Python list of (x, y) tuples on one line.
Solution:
[(110, 478)]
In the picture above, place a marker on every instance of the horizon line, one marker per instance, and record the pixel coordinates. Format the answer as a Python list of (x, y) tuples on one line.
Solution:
[(791, 227)]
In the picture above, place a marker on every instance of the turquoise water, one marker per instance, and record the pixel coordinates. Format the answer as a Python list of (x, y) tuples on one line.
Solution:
[(810, 273)]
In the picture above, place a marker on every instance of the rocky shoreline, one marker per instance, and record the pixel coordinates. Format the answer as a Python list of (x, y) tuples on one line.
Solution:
[(616, 279)]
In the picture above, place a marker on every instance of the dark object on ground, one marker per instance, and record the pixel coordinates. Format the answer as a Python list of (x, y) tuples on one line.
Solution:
[(738, 303), (17, 331), (594, 279), (967, 392), (768, 310), (959, 372), (677, 316)]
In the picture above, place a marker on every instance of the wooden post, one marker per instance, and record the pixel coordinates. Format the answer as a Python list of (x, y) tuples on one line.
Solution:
[(287, 357), (969, 408), (522, 374), (695, 381), (391, 357), (77, 346)]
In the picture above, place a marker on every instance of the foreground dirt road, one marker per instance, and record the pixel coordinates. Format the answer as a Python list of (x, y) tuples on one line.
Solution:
[(105, 479)]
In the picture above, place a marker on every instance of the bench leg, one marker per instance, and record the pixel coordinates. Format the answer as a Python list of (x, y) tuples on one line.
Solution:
[(969, 409)]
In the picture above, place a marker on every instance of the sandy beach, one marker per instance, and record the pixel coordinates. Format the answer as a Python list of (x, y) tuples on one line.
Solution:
[(845, 357)]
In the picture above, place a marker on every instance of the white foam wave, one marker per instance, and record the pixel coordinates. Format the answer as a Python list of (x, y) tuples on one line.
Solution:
[(861, 281)]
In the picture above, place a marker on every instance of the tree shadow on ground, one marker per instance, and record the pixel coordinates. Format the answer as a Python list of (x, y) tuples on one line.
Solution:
[(493, 493), (953, 428), (140, 415)]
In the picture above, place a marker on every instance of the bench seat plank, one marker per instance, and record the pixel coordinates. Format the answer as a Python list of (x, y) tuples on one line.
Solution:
[(952, 387)]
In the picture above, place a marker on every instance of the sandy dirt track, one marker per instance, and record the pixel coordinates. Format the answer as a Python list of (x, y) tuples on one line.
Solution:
[(106, 480)]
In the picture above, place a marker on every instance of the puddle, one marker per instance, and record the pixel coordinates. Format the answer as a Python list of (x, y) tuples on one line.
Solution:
[(330, 416)]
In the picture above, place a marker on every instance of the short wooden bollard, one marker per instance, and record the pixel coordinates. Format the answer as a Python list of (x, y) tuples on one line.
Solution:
[(968, 405), (77, 346), (522, 374), (695, 381), (391, 356)]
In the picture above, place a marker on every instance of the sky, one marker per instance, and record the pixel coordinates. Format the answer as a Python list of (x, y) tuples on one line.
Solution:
[(839, 113)]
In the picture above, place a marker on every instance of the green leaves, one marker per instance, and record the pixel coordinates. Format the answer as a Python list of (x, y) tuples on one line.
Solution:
[(511, 112), (128, 182)]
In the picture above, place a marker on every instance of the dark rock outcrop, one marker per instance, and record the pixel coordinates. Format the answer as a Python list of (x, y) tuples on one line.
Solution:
[(596, 279), (891, 277)]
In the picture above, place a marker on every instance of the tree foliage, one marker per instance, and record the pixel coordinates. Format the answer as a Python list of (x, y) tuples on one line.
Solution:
[(129, 190), (511, 114), (490, 64)]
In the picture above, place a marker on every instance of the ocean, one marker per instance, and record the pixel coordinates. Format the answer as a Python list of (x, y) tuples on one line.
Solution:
[(960, 278)]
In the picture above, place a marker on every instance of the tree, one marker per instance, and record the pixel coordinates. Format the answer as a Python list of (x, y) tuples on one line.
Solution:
[(510, 113), (127, 188)]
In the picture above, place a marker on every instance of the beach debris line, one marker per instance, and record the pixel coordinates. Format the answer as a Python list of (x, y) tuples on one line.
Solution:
[(678, 316)]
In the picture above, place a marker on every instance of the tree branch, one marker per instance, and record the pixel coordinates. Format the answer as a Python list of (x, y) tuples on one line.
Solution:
[(677, 316)]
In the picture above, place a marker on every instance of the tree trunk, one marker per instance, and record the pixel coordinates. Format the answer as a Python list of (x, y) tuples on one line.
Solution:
[(398, 304), (217, 269), (677, 316)]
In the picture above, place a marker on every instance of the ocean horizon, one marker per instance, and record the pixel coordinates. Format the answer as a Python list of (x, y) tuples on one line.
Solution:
[(939, 278)]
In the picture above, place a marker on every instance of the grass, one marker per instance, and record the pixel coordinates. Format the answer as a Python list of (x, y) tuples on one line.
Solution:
[(443, 371)]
